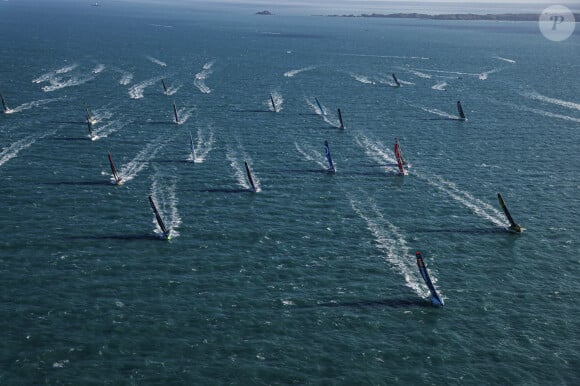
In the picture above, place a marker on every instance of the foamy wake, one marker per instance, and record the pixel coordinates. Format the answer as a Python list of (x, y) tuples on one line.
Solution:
[(477, 206), (560, 102), (544, 113), (201, 77), (448, 72), (420, 74), (378, 152), (156, 61), (184, 114), (484, 75), (30, 105), (107, 129), (166, 201), (388, 56), (292, 73), (439, 112), (440, 86), (12, 151), (172, 89), (205, 142), (137, 90), (98, 69), (391, 242), (278, 101), (362, 78), (141, 160), (46, 76), (126, 77), (310, 154), (504, 59), (61, 78), (237, 164)]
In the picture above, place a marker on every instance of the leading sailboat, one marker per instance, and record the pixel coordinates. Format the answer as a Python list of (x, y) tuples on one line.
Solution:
[(166, 232), (400, 160), (435, 298), (514, 227)]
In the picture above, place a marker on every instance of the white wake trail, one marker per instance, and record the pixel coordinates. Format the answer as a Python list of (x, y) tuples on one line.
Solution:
[(12, 151), (141, 160), (205, 142), (390, 240), (480, 208), (378, 152), (137, 91), (156, 61), (292, 73), (555, 101), (30, 105), (310, 154), (201, 77)]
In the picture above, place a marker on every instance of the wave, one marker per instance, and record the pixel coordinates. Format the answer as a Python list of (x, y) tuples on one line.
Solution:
[(292, 73), (156, 61), (313, 155), (136, 91), (166, 202), (465, 198), (12, 151), (390, 240), (504, 59), (203, 146), (560, 102), (440, 86), (30, 105), (129, 171)]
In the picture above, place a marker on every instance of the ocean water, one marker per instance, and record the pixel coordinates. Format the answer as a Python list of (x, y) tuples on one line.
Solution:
[(313, 279)]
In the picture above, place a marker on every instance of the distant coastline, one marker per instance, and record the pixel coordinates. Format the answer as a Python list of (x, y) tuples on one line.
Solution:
[(456, 16)]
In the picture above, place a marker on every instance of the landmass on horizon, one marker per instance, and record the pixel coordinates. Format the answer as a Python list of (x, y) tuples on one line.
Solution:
[(455, 16)]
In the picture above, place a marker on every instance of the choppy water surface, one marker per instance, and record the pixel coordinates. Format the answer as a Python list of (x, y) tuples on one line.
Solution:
[(312, 279)]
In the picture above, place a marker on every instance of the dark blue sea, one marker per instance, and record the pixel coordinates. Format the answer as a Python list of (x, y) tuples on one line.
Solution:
[(312, 279)]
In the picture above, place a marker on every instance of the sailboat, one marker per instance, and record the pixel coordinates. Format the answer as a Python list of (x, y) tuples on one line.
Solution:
[(331, 167), (5, 108), (396, 80), (164, 87), (460, 112), (116, 176), (399, 157), (514, 227), (250, 178), (273, 103), (322, 111), (166, 232), (90, 121), (340, 120), (435, 298), (403, 160), (175, 113), (192, 148)]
